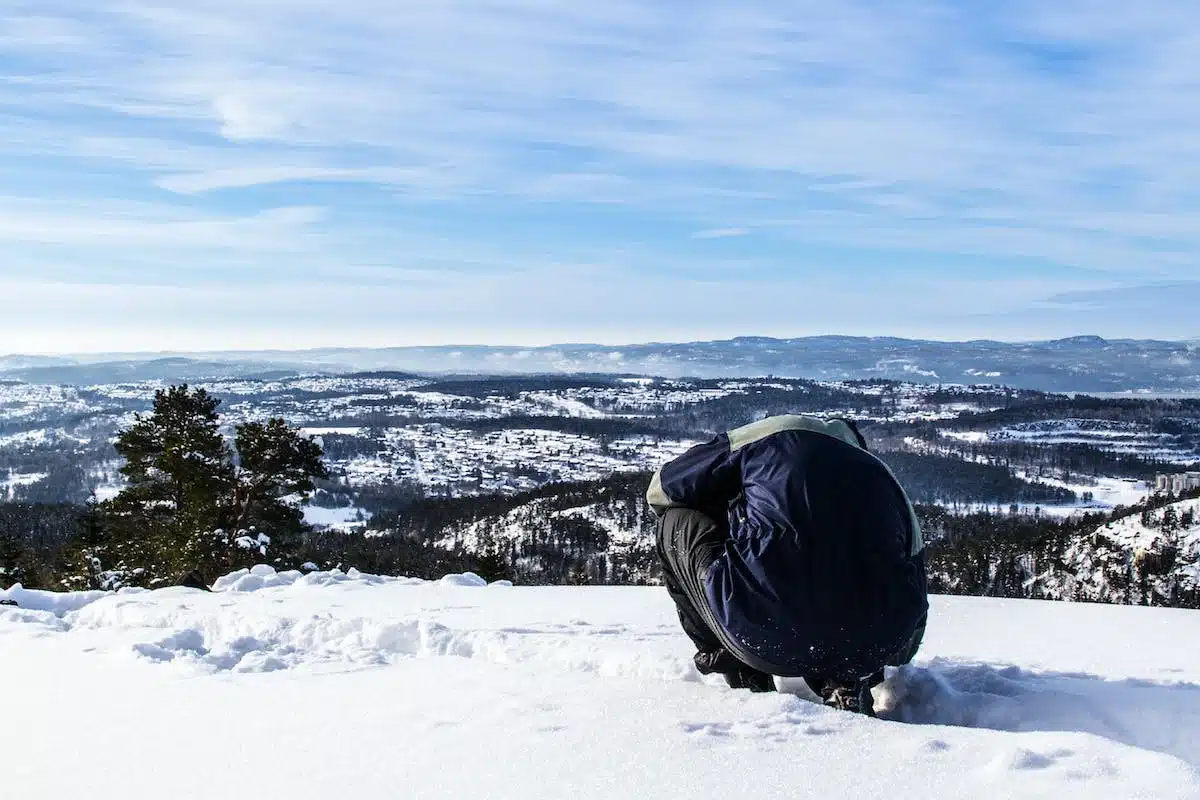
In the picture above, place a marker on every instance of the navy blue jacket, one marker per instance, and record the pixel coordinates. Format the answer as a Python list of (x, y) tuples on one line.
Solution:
[(823, 569)]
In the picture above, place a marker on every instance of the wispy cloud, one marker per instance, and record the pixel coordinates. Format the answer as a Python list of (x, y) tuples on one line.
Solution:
[(253, 140), (720, 233), (123, 227)]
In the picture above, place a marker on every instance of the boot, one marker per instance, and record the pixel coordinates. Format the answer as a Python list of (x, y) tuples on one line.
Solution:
[(736, 674), (751, 679), (855, 698)]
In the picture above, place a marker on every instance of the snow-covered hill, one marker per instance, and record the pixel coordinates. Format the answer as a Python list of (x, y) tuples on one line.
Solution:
[(1151, 558), (332, 684), (605, 535)]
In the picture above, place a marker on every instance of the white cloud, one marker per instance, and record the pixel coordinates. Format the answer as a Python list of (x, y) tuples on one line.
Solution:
[(242, 177), (1062, 133), (720, 233), (123, 226)]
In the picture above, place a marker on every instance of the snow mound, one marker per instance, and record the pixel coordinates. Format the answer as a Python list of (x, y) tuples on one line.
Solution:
[(264, 576), (259, 577), (465, 579), (56, 603)]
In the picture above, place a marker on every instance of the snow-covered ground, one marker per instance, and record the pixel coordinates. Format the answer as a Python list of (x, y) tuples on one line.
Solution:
[(346, 519), (1107, 493), (37, 437), (25, 401), (282, 686), (15, 479)]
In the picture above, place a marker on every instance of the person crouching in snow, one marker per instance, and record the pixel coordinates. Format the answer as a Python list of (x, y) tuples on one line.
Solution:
[(791, 550)]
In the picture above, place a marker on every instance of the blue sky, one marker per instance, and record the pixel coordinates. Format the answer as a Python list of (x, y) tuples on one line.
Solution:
[(213, 174)]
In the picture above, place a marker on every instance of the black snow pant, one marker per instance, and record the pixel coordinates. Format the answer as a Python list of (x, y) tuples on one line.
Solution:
[(688, 543)]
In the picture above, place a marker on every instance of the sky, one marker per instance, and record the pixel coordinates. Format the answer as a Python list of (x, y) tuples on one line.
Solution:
[(242, 174)]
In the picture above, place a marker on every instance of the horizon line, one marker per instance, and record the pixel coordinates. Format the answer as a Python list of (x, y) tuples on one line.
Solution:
[(580, 344)]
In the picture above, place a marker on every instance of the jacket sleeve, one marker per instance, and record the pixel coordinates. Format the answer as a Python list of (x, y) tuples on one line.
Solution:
[(705, 478)]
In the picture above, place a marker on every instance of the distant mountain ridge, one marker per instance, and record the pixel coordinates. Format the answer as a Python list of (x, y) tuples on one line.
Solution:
[(1074, 364), (167, 370)]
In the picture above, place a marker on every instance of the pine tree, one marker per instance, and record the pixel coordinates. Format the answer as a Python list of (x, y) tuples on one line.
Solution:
[(275, 474), (96, 558), (178, 471), (193, 505)]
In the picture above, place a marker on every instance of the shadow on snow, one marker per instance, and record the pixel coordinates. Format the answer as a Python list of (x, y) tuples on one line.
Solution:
[(1164, 717)]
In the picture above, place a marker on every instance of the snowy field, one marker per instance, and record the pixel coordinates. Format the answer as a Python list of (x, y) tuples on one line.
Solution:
[(1115, 437), (16, 479), (334, 685), (342, 519), (1107, 493)]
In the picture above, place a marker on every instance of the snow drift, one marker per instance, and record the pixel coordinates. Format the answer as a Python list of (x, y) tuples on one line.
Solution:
[(282, 684)]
